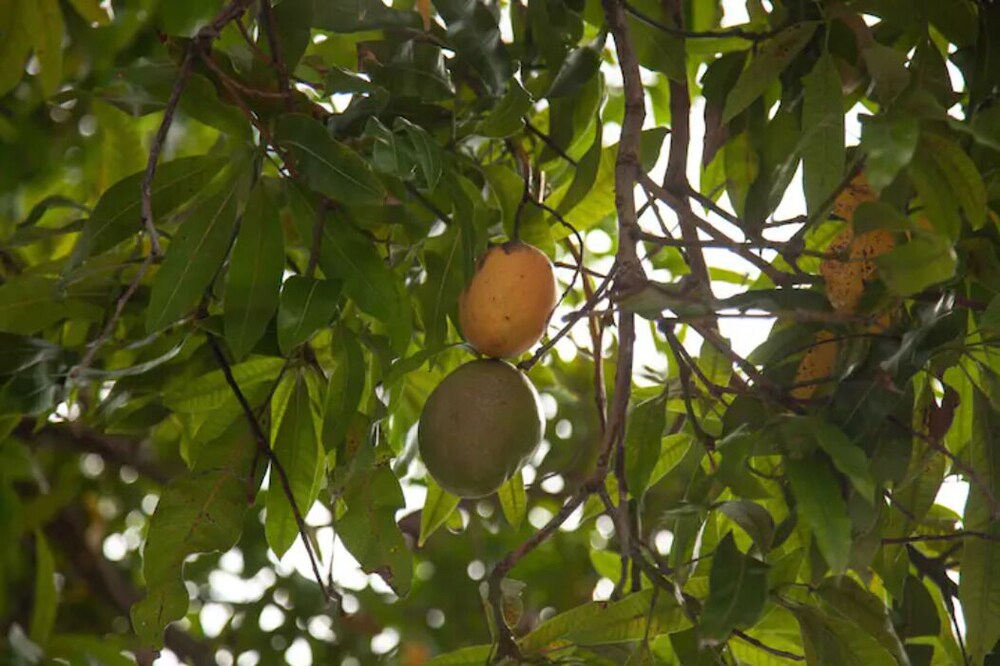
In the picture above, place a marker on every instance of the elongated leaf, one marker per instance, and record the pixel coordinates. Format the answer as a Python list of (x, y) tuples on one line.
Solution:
[(438, 506), (328, 166), (889, 143), (300, 454), (209, 391), (343, 393), (194, 257), (468, 656), (369, 528), (576, 70), (368, 281), (513, 500), (118, 214), (829, 640), (754, 519), (823, 152), (856, 604), (507, 117), (307, 304), (737, 591), (198, 512), (934, 189), (46, 599), (347, 16), (961, 174), (474, 32), (765, 68), (821, 506), (979, 585), (914, 266), (31, 303), (599, 623), (585, 175), (47, 30), (254, 276), (426, 150), (16, 29), (599, 200), (643, 435)]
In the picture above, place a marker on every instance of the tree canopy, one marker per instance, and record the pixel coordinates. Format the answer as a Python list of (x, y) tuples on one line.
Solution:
[(233, 238)]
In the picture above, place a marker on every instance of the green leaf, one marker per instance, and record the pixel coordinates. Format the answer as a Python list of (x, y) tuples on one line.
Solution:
[(209, 391), (855, 604), (326, 165), (578, 67), (847, 457), (599, 200), (513, 500), (118, 214), (887, 67), (766, 66), (889, 142), (979, 584), (872, 215), (198, 512), (185, 17), (649, 612), (737, 592), (467, 656), (507, 117), (643, 435), (16, 31), (656, 49), (822, 508), (254, 276), (194, 256), (367, 280), (300, 453), (346, 16), (991, 315), (307, 305), (829, 640), (473, 31), (438, 506), (742, 165), (426, 150), (46, 598), (410, 70), (753, 519), (47, 30), (823, 152), (369, 529), (585, 175), (31, 303), (912, 267), (343, 393), (961, 174)]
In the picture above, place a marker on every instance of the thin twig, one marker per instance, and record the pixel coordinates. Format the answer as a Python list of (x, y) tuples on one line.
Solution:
[(571, 320), (265, 449), (951, 536), (201, 42), (547, 140), (271, 31), (748, 35), (742, 635)]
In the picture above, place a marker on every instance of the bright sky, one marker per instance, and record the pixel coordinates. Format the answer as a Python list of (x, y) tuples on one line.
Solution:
[(227, 584)]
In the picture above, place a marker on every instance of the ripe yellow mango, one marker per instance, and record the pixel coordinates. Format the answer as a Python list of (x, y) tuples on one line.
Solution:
[(506, 306)]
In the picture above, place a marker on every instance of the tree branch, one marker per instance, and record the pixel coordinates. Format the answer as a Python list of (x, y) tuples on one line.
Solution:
[(264, 448)]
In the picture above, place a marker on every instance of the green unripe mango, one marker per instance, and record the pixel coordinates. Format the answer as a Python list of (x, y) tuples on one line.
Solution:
[(479, 426)]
